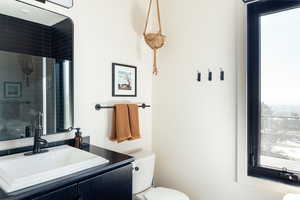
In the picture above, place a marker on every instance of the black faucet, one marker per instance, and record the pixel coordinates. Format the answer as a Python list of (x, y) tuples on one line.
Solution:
[(38, 141)]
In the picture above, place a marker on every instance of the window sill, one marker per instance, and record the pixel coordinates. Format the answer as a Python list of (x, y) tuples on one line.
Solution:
[(274, 175)]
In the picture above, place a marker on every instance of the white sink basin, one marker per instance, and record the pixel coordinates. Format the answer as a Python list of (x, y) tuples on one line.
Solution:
[(18, 171)]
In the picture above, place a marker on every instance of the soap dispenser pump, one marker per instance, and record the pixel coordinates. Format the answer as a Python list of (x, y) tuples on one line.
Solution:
[(78, 138)]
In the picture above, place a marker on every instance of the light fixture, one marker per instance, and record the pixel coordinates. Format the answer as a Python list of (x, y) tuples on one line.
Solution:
[(26, 63), (63, 3), (291, 197), (251, 1)]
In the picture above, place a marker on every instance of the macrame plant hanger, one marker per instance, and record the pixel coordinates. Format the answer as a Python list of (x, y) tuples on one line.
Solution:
[(154, 40)]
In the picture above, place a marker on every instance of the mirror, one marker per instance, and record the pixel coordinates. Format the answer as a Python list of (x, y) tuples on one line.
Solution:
[(36, 70)]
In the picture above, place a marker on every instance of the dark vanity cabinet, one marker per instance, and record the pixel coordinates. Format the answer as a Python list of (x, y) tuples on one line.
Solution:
[(110, 181), (112, 185), (69, 192)]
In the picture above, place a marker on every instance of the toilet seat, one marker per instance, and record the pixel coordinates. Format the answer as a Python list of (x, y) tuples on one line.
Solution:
[(161, 193)]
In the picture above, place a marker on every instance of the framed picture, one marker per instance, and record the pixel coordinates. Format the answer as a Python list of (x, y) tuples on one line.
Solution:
[(12, 89), (124, 80)]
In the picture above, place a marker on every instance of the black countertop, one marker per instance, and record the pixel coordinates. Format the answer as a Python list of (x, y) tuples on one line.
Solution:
[(115, 160)]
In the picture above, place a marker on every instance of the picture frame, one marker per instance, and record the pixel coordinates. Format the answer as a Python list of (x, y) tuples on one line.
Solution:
[(12, 89), (124, 80)]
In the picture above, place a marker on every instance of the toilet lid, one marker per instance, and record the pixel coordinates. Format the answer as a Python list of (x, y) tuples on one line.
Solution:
[(160, 193)]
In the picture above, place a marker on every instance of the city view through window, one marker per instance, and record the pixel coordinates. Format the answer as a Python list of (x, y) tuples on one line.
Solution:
[(280, 86)]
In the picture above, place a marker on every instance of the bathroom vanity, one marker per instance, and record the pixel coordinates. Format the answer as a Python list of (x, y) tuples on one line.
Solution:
[(37, 99), (109, 181)]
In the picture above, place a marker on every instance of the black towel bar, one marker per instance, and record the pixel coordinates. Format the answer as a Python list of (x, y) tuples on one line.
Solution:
[(99, 106)]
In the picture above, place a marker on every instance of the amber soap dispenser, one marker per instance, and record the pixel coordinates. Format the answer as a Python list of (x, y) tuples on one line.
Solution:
[(78, 138)]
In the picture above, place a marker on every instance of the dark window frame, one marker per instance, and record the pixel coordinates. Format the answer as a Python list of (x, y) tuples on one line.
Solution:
[(255, 10)]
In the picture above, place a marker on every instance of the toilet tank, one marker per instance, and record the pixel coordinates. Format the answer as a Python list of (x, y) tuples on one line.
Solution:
[(144, 170)]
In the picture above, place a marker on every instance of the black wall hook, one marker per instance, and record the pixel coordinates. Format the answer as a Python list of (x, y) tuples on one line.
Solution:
[(210, 75), (222, 75), (199, 76)]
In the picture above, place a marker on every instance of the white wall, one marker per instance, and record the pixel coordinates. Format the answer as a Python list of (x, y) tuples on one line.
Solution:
[(106, 32), (199, 129)]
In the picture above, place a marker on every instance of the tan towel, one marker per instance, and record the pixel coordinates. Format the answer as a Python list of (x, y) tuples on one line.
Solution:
[(134, 121), (122, 127), (126, 123)]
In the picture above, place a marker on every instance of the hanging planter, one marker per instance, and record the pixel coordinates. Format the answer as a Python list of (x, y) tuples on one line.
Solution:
[(154, 40)]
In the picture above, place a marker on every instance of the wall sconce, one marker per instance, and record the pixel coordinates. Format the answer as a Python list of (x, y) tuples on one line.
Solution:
[(27, 66), (249, 1), (63, 3)]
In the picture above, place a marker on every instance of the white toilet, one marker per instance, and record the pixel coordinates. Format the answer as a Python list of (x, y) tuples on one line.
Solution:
[(143, 178)]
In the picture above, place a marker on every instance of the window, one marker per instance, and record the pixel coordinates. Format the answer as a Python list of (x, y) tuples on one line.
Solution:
[(274, 90)]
